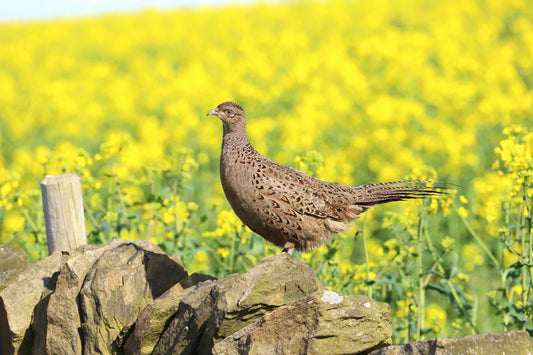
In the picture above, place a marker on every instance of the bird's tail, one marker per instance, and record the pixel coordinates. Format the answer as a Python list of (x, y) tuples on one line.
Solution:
[(373, 194)]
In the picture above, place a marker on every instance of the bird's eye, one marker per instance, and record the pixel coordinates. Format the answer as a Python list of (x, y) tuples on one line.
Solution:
[(229, 113)]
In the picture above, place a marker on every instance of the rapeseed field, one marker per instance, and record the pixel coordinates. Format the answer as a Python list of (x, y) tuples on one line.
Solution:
[(350, 91)]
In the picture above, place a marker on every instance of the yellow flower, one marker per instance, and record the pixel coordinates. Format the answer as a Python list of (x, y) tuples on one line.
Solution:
[(132, 234), (434, 205), (403, 308), (200, 261), (471, 256), (223, 252), (114, 143), (448, 243), (191, 206), (5, 189), (462, 212), (434, 316), (227, 223), (127, 116), (463, 277), (13, 222), (445, 204), (201, 257), (517, 289), (111, 216)]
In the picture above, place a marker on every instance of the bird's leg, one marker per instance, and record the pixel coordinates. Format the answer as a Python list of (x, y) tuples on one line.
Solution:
[(289, 251), (288, 248)]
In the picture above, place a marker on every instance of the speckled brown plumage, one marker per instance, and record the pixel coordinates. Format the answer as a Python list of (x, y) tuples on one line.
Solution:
[(286, 206)]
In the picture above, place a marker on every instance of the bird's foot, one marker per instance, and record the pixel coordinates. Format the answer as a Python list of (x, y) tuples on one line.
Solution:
[(288, 250)]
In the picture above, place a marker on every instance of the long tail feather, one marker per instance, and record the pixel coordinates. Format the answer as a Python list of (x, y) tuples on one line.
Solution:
[(372, 194)]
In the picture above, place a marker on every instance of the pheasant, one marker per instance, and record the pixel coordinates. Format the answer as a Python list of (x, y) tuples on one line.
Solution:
[(288, 207)]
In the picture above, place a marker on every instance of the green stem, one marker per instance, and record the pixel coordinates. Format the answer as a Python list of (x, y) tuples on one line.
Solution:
[(478, 239), (90, 215), (438, 266), (530, 241), (436, 259), (177, 221), (523, 274), (28, 218), (526, 292), (119, 192), (233, 251), (461, 306), (151, 220), (365, 249), (421, 287)]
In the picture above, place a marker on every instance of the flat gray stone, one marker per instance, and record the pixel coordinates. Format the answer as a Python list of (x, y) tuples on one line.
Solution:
[(512, 342)]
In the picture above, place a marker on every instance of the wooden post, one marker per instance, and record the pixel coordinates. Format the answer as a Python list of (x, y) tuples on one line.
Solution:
[(63, 212)]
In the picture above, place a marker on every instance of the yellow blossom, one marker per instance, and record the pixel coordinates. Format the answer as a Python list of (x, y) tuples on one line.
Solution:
[(13, 222), (363, 95), (462, 212), (472, 256), (435, 316), (111, 216), (517, 289), (448, 243), (223, 252)]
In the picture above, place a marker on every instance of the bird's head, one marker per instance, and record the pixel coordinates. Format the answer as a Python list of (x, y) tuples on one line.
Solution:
[(229, 113)]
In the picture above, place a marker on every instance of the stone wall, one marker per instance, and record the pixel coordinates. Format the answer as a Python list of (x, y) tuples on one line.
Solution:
[(129, 297)]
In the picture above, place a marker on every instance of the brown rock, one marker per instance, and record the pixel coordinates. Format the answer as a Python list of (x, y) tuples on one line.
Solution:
[(212, 311), (512, 342), (272, 283), (20, 297), (322, 323), (78, 301), (120, 283), (57, 324), (185, 327), (144, 334), (13, 260)]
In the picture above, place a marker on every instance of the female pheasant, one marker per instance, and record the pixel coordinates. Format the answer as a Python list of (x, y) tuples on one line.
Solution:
[(286, 206)]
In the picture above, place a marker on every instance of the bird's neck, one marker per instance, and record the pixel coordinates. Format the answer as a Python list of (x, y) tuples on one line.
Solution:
[(238, 127), (235, 135)]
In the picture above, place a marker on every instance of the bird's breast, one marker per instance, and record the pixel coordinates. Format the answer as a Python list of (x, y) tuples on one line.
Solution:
[(236, 179)]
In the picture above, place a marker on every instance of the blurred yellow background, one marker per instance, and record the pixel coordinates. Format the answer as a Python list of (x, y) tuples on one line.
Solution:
[(352, 91)]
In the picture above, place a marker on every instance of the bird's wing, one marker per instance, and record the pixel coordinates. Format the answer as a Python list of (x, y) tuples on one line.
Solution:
[(302, 193), (307, 195)]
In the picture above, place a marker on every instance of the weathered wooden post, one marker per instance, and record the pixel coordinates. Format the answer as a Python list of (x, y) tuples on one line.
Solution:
[(63, 212)]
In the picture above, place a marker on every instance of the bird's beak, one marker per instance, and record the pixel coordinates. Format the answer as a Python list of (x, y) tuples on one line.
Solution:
[(213, 112)]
